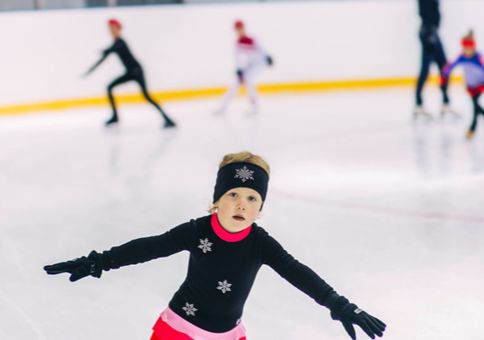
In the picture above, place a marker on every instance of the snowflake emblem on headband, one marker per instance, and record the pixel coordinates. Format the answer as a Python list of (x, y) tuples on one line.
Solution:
[(244, 174)]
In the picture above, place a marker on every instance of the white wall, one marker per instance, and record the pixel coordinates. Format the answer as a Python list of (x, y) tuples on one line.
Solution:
[(183, 47)]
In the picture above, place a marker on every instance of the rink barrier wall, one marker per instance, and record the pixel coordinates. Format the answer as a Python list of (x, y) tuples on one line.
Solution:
[(188, 51), (181, 95)]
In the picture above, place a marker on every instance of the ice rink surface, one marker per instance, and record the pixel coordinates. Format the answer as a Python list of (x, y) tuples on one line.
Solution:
[(388, 211)]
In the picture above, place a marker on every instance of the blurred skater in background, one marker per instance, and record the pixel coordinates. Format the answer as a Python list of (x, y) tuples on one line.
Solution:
[(432, 51), (134, 72), (251, 60), (473, 65)]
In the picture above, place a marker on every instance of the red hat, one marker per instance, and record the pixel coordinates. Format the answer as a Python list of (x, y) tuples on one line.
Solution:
[(468, 43), (468, 40), (238, 24), (114, 22)]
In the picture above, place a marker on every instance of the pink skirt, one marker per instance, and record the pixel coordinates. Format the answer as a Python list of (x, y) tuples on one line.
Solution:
[(171, 326)]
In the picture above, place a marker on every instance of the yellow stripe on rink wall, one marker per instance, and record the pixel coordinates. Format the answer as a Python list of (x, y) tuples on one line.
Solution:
[(102, 101), (213, 92)]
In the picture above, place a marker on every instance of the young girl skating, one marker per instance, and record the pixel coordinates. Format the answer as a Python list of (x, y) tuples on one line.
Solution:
[(251, 59), (473, 65), (227, 250), (134, 72)]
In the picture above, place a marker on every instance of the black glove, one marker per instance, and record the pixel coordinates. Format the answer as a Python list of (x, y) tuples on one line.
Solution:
[(349, 314), (269, 60), (78, 268), (240, 74)]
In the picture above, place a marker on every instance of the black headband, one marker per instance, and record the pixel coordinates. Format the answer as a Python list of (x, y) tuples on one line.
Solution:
[(241, 174)]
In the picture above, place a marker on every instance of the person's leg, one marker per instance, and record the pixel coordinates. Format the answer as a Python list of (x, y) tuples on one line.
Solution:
[(252, 92), (123, 79), (477, 110), (139, 77), (441, 61), (250, 76), (229, 95), (479, 90), (427, 58)]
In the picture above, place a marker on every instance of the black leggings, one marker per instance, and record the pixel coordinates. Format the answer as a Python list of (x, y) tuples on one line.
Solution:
[(477, 110), (135, 74), (434, 53)]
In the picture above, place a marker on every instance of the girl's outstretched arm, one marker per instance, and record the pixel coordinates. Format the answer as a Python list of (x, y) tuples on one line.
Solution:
[(95, 65), (449, 67), (306, 280), (115, 47), (136, 251), (349, 314), (78, 268)]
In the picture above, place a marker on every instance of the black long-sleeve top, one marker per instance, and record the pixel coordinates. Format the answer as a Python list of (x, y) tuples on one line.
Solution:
[(122, 50), (429, 12), (220, 273)]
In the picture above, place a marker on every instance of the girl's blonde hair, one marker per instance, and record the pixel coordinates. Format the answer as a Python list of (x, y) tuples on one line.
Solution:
[(244, 156), (469, 35)]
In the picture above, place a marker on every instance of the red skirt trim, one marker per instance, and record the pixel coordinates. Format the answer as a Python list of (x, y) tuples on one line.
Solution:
[(475, 90), (166, 332), (170, 326)]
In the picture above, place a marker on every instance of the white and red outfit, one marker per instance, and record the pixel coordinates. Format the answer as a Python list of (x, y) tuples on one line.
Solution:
[(251, 59)]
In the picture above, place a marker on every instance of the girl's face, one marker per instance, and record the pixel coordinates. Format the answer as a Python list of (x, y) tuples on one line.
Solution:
[(115, 31), (238, 208), (469, 51), (240, 32)]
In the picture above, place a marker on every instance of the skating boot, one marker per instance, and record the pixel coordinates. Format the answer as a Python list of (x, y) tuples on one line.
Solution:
[(469, 134), (448, 111), (113, 120), (219, 112), (419, 111), (169, 124), (253, 110)]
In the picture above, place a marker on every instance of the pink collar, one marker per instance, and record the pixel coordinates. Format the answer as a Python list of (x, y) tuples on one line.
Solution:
[(225, 235)]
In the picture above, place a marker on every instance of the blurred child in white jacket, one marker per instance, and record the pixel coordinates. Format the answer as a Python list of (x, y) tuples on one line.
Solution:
[(251, 60)]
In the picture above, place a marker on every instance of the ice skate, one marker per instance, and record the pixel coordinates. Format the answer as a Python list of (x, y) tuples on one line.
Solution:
[(112, 122), (419, 111), (169, 124), (252, 111), (469, 134), (448, 111), (219, 112)]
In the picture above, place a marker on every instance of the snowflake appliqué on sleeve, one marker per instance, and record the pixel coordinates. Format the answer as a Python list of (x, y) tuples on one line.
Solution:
[(224, 286), (189, 309), (205, 245), (244, 174)]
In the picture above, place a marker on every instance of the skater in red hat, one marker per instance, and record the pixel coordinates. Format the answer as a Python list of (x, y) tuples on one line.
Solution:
[(134, 72), (251, 59), (473, 64)]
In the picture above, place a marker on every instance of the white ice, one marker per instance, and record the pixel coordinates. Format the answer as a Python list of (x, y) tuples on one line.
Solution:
[(388, 211)]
